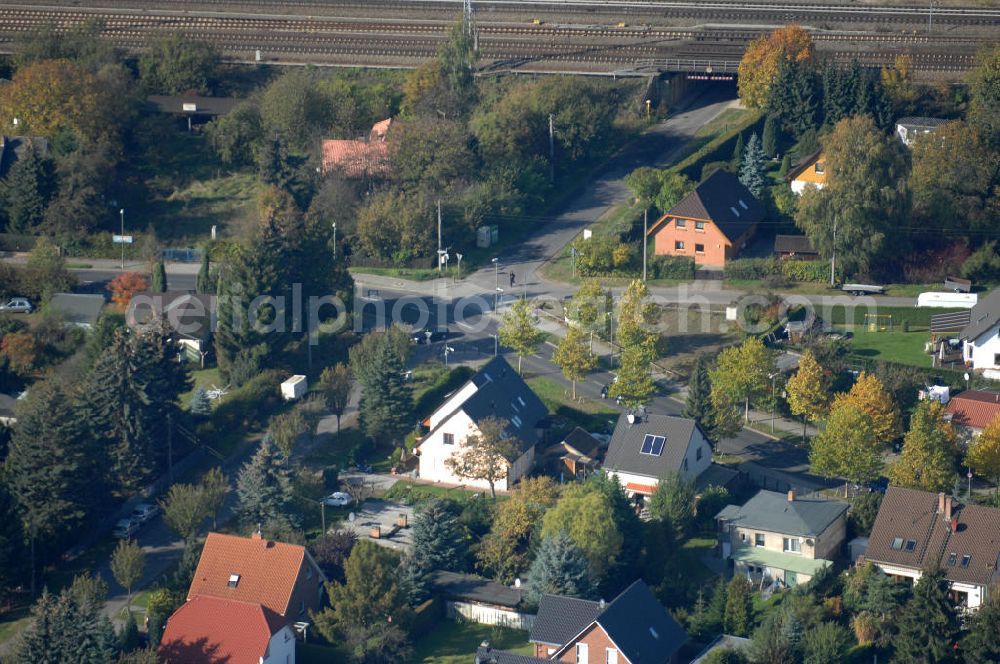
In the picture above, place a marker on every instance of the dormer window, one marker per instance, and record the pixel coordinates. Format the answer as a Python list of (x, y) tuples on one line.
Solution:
[(911, 545), (966, 559), (744, 205), (735, 212), (897, 544), (952, 559), (234, 580), (517, 421), (819, 167)]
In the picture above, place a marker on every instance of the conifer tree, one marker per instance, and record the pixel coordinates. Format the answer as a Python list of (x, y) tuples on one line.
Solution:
[(738, 619), (716, 612), (159, 280), (26, 190), (928, 627), (770, 140), (752, 169), (737, 159), (698, 405), (263, 486), (982, 643), (12, 553), (386, 408), (200, 404), (65, 631), (559, 568), (439, 540), (786, 165), (203, 282)]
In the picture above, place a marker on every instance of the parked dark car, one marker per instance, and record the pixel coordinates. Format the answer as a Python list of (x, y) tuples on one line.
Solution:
[(428, 336)]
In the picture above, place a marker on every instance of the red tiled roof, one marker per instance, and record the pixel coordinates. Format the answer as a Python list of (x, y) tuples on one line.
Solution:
[(908, 514), (356, 159), (267, 570), (209, 630), (640, 488), (974, 408)]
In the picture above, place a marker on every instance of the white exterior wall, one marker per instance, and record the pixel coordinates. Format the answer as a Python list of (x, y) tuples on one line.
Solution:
[(489, 615), (976, 593), (433, 453), (281, 647), (695, 466), (982, 350), (451, 404)]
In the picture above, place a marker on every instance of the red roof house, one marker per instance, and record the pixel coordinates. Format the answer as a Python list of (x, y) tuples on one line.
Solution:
[(282, 578), (209, 630), (357, 159), (974, 409)]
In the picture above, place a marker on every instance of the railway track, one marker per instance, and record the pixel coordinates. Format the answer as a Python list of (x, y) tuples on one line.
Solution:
[(359, 41)]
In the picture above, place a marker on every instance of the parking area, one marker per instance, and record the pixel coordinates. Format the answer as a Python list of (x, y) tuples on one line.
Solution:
[(383, 522)]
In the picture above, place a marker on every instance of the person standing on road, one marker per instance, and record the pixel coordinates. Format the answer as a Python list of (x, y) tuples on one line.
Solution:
[(511, 279)]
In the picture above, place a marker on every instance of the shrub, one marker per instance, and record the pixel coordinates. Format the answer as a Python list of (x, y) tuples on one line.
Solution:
[(765, 268), (814, 271), (751, 268), (671, 267), (250, 404), (983, 264)]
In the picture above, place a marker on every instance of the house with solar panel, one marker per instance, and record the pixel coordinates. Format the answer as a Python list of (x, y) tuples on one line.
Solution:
[(646, 447), (496, 390)]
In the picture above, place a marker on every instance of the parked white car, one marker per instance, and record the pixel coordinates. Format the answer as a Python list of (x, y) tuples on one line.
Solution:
[(338, 499)]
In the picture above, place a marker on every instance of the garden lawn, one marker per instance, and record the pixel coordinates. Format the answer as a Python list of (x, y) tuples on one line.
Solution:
[(902, 347), (456, 642), (592, 415), (411, 493)]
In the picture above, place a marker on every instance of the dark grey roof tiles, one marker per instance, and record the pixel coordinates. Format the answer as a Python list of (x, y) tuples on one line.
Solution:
[(773, 512), (626, 442), (983, 316), (640, 626), (503, 393), (560, 618), (722, 199)]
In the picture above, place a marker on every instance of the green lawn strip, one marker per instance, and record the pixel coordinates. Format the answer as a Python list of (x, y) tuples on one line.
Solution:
[(203, 378), (409, 273), (454, 642), (855, 314), (315, 653), (591, 415), (689, 558), (337, 452), (13, 621), (901, 347)]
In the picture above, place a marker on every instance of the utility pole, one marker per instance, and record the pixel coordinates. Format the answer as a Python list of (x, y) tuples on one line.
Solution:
[(335, 240), (322, 515), (122, 213), (552, 150), (833, 255), (645, 240), (439, 235)]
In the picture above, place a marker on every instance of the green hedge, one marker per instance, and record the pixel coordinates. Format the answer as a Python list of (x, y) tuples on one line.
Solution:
[(249, 405), (445, 384), (719, 148), (671, 267), (12, 242), (762, 268)]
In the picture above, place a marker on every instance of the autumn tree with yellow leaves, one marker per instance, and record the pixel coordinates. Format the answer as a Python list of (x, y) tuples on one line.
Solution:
[(984, 452), (869, 395), (927, 461), (808, 391), (51, 96), (762, 60)]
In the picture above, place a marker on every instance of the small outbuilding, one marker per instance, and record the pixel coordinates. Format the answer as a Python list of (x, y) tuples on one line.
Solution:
[(78, 309)]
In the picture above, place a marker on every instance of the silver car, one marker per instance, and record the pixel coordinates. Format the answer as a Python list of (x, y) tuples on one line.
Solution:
[(17, 305)]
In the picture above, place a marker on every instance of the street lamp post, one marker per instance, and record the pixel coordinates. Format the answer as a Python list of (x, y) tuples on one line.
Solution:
[(496, 344), (772, 377), (447, 349), (122, 213), (611, 337), (335, 240)]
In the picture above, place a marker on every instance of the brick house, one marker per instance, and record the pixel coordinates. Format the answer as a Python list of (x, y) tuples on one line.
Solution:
[(209, 630), (281, 577), (496, 390), (711, 224), (634, 628), (915, 529), (971, 411), (782, 537)]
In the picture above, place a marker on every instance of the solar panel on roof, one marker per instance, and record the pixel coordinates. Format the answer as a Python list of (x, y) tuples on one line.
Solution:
[(652, 445), (658, 442), (647, 444)]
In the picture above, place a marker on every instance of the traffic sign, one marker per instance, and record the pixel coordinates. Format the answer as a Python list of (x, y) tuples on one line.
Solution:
[(122, 239)]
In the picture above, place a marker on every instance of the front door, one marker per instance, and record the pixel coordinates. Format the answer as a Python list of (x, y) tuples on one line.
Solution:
[(791, 579)]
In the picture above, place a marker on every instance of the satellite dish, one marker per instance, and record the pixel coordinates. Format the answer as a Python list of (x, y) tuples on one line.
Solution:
[(517, 582), (631, 418), (966, 375)]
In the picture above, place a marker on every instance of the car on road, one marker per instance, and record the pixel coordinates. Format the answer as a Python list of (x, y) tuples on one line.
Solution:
[(17, 305), (338, 499), (429, 336), (144, 512), (125, 528)]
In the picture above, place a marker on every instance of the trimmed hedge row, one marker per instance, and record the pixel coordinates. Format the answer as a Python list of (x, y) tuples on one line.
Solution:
[(762, 268), (719, 148), (671, 267)]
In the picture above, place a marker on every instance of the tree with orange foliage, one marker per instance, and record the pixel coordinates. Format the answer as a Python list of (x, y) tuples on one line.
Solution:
[(869, 395), (50, 96), (21, 350), (125, 286), (761, 61)]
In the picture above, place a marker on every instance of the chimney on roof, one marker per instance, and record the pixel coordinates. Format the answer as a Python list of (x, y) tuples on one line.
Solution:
[(941, 502), (791, 495), (947, 508), (602, 604)]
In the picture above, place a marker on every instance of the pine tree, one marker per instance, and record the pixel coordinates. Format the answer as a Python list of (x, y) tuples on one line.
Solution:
[(263, 486), (26, 191), (200, 404), (203, 282), (161, 380), (738, 619), (698, 405), (982, 643), (716, 612), (786, 165), (273, 163), (770, 141), (12, 553), (64, 631), (439, 540), (559, 568), (928, 627), (752, 170), (386, 408), (737, 159), (574, 357), (673, 501), (159, 280)]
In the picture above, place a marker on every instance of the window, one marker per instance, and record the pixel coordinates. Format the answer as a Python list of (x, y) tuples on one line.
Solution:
[(699, 248), (819, 167), (679, 245), (652, 445), (697, 455), (996, 359), (897, 543), (449, 438), (758, 540), (699, 225), (681, 223), (743, 537), (582, 656), (911, 545), (611, 656), (952, 559), (735, 212), (234, 580), (744, 205), (792, 545), (966, 559), (516, 421)]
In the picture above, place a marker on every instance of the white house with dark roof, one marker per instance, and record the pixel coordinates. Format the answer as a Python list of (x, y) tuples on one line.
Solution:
[(981, 335), (644, 448), (496, 390), (782, 537)]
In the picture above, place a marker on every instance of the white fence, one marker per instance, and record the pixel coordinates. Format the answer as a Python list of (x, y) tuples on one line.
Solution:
[(489, 615)]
